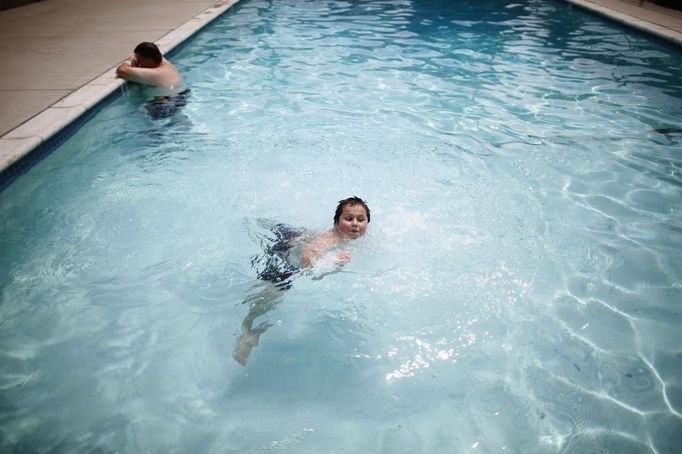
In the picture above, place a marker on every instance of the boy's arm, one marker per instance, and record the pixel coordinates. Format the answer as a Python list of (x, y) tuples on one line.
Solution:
[(311, 252), (308, 254), (147, 76)]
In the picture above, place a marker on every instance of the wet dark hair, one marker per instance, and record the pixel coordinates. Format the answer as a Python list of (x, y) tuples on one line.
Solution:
[(149, 50), (350, 201)]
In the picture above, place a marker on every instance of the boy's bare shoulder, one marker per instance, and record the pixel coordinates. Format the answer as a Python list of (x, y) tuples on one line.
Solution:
[(327, 239)]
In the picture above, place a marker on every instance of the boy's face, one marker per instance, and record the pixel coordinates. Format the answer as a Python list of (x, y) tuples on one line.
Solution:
[(353, 221)]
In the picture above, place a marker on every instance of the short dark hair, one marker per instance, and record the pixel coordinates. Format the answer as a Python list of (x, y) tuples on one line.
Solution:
[(350, 201), (149, 50)]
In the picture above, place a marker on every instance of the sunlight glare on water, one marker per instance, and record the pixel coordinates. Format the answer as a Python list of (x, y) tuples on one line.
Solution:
[(517, 291)]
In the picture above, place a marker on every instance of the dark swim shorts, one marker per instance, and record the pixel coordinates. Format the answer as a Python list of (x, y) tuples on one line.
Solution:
[(167, 106), (277, 266)]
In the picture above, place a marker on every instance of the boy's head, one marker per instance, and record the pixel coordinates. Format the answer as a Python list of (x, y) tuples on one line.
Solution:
[(351, 201), (351, 217), (148, 55)]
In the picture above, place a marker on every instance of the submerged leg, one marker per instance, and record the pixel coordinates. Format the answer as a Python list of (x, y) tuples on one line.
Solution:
[(276, 274), (262, 299)]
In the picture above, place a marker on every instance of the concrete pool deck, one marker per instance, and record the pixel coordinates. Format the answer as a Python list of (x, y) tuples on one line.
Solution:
[(665, 23), (59, 56)]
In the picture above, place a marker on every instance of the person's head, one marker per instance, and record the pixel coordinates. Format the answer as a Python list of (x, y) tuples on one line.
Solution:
[(351, 217), (148, 55)]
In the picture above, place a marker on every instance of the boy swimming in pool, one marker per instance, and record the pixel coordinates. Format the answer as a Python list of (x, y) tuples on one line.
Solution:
[(293, 250)]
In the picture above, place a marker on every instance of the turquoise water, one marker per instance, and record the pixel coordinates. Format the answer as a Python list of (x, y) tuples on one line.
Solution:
[(518, 289)]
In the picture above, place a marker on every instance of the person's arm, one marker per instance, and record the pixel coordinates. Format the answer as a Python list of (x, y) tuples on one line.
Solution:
[(310, 253), (147, 76)]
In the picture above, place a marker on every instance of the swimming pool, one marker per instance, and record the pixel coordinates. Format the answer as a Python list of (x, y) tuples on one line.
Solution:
[(518, 289)]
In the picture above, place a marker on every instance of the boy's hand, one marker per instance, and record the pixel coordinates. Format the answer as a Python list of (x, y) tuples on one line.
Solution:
[(343, 257)]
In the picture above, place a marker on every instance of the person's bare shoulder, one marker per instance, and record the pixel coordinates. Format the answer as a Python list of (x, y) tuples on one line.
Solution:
[(169, 75), (328, 239), (316, 246)]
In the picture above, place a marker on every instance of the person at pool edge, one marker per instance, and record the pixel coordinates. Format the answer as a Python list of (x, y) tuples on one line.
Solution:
[(351, 218), (149, 67)]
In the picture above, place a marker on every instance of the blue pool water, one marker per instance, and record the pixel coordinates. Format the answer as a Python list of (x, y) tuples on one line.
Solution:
[(518, 289)]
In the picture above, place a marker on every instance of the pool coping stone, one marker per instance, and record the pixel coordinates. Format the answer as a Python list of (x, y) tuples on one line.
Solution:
[(623, 17)]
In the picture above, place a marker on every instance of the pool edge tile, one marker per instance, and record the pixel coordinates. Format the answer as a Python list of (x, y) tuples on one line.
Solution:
[(12, 150), (625, 18), (88, 95), (185, 31), (47, 123)]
